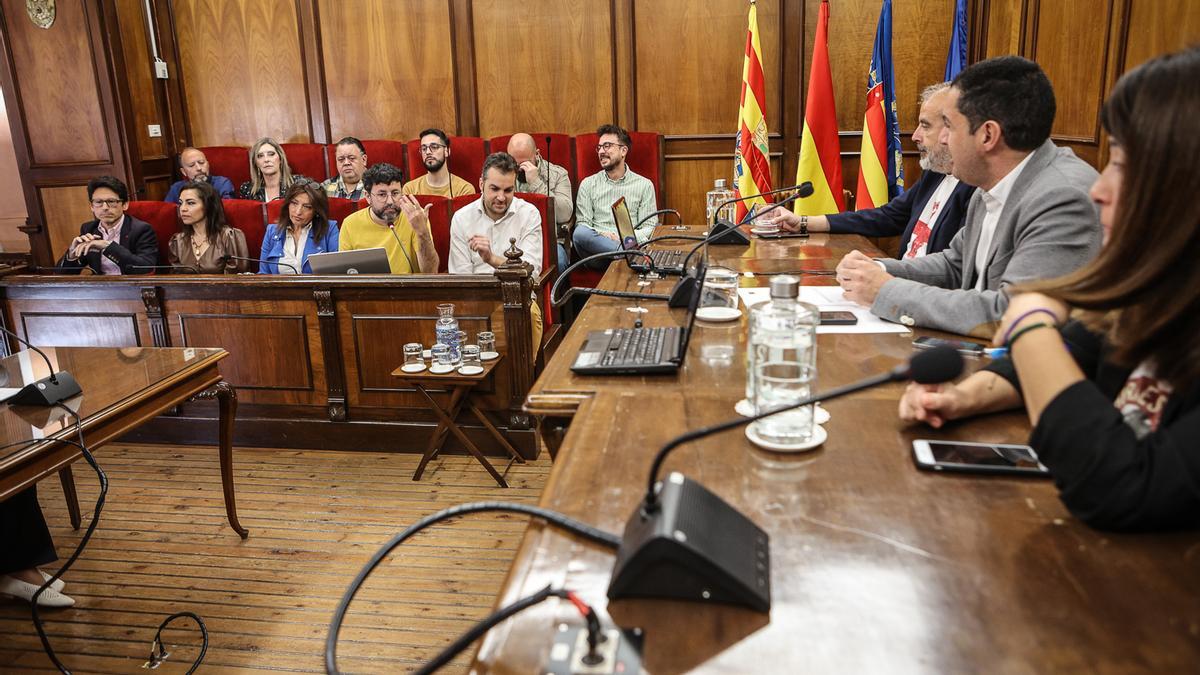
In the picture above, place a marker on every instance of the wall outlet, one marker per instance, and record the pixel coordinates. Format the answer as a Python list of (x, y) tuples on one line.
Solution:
[(155, 131), (160, 69)]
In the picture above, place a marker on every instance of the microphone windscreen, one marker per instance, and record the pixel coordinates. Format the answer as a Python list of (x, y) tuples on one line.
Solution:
[(934, 366), (806, 189)]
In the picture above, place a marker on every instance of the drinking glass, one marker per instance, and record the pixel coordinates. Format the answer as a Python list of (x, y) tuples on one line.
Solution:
[(719, 295), (442, 355), (470, 358), (412, 354), (779, 383), (487, 343)]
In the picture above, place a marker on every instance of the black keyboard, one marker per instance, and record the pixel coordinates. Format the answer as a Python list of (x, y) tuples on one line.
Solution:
[(666, 258), (636, 346)]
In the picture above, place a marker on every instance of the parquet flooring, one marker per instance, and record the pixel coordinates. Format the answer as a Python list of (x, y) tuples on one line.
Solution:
[(163, 545)]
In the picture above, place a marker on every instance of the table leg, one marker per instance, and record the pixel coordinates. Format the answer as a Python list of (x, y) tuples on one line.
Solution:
[(487, 424), (477, 454), (447, 420), (68, 485), (443, 427), (226, 397)]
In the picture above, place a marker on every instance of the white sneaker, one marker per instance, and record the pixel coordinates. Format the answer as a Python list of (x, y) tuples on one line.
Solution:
[(58, 583), (23, 590)]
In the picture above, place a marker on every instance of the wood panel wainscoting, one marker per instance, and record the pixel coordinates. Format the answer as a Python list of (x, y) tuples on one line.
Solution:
[(310, 356)]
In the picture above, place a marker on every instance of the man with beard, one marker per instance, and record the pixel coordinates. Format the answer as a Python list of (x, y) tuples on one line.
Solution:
[(595, 231), (435, 155), (479, 232), (194, 166), (392, 221), (926, 216)]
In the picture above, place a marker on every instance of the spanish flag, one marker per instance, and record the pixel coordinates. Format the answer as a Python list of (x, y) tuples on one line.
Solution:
[(881, 172), (751, 166), (820, 155)]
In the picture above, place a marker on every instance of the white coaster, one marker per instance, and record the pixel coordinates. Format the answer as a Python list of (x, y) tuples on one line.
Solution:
[(470, 370), (745, 408), (764, 230), (489, 356), (413, 367), (818, 437), (441, 368), (718, 313)]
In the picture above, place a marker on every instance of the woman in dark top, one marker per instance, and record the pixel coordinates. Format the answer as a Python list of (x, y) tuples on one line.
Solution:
[(270, 175), (206, 239), (1114, 394), (304, 228)]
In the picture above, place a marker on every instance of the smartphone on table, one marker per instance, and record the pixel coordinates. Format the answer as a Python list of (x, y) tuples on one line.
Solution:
[(962, 346), (838, 319), (969, 457)]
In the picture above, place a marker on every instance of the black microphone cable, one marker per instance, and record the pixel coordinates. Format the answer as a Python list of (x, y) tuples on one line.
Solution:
[(411, 265), (555, 519), (596, 291)]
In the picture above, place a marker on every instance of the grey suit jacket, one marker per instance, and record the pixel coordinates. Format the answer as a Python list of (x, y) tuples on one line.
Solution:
[(1048, 227)]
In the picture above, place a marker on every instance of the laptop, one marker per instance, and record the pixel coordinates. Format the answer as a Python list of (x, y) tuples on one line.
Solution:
[(361, 261), (638, 351), (666, 262)]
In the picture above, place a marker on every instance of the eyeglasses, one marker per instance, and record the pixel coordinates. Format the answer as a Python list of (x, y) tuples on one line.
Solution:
[(111, 203), (347, 158), (394, 195), (432, 147), (609, 146)]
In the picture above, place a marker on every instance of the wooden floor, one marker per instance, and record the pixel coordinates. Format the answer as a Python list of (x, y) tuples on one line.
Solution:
[(163, 545)]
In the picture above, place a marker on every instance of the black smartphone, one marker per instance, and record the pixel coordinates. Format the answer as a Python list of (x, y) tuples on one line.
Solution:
[(977, 458), (963, 347), (838, 319)]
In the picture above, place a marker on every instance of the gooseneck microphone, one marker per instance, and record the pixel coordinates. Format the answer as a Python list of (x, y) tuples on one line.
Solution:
[(47, 391), (556, 301), (411, 265), (659, 212), (228, 257), (732, 235), (686, 542)]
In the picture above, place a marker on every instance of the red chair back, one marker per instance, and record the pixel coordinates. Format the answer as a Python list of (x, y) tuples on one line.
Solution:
[(306, 159), (249, 216), (274, 208), (230, 161), (549, 249), (645, 158), (466, 158), (163, 217), (392, 152), (558, 150), (340, 208)]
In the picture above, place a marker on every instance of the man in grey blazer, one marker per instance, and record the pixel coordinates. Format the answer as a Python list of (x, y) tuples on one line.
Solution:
[(1030, 219)]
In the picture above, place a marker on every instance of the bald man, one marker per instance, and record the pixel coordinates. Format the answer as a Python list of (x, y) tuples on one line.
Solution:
[(194, 166), (539, 175)]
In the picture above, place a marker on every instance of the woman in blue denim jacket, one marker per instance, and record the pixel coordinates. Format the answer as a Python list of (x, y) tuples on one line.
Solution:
[(304, 228)]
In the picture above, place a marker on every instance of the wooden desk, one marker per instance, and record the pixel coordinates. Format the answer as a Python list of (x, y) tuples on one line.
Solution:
[(122, 388), (876, 566)]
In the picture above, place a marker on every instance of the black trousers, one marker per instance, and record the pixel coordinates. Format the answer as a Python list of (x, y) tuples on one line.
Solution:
[(24, 537)]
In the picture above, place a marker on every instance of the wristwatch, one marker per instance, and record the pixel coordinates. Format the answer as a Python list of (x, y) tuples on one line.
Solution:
[(803, 226)]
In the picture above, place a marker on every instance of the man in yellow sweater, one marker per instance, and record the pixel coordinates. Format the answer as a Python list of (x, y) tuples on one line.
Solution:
[(392, 221), (437, 179)]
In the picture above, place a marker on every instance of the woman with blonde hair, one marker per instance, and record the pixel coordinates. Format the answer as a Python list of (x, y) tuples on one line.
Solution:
[(1106, 361), (270, 175)]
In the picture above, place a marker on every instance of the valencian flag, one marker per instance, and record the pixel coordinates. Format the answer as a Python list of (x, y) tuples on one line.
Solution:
[(956, 59), (881, 171), (820, 155), (751, 168)]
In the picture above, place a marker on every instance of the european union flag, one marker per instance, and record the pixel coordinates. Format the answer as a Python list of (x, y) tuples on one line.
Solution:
[(956, 59)]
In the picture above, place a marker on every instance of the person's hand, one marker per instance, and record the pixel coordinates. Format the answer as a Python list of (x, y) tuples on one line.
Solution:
[(784, 218), (933, 404), (96, 244), (529, 171), (1020, 306), (481, 245), (418, 216), (861, 278), (80, 245), (611, 235)]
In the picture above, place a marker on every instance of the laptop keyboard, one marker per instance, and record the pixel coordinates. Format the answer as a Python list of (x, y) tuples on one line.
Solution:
[(635, 346), (666, 258)]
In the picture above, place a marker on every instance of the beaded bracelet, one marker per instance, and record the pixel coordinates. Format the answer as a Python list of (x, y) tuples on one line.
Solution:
[(1033, 326), (1008, 334)]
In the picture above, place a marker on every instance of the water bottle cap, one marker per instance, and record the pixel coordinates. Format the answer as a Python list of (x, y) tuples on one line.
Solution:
[(719, 184), (785, 286)]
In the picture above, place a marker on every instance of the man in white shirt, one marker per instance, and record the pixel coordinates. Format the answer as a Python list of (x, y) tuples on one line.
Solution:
[(480, 232), (1030, 219)]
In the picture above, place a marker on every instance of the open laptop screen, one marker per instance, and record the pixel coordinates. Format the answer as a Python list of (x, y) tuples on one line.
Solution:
[(620, 211)]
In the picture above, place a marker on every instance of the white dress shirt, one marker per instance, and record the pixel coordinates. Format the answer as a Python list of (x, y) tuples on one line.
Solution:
[(521, 221), (993, 202), (293, 250)]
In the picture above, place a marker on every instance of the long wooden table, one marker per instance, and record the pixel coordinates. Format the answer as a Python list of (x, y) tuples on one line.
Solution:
[(122, 388), (876, 566)]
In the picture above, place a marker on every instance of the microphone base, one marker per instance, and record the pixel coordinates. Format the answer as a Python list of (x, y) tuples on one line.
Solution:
[(683, 292), (45, 392), (693, 546), (730, 234)]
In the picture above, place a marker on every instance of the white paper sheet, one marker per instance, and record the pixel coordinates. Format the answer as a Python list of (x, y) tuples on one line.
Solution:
[(830, 299)]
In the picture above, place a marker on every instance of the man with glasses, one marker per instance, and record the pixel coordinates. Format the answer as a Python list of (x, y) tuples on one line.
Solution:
[(595, 231), (435, 155), (351, 161), (194, 166), (113, 243), (392, 221)]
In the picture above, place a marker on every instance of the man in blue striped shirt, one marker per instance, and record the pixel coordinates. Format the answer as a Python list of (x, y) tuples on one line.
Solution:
[(595, 231)]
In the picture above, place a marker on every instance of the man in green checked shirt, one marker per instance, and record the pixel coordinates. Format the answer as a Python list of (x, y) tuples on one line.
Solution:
[(595, 231)]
